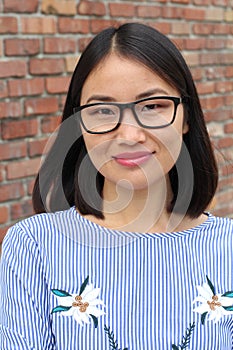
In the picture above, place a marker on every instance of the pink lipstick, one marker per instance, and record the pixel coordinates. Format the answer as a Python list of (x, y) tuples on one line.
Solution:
[(132, 159)]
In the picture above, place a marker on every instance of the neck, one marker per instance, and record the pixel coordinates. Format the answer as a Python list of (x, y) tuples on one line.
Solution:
[(143, 210)]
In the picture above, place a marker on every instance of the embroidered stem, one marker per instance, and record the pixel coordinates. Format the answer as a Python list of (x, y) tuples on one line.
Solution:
[(186, 338), (113, 343)]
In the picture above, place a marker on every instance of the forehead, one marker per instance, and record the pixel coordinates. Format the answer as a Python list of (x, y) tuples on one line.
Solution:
[(123, 79)]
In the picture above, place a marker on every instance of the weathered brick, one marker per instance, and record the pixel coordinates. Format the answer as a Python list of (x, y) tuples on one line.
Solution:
[(36, 147), (14, 68), (228, 128), (22, 47), (11, 191), (8, 25), (99, 24), (41, 106), (91, 8), (121, 10), (49, 124), (62, 7), (3, 89), (10, 109), (19, 129), (24, 168), (57, 85), (148, 11), (73, 25), (71, 62), (4, 214), (223, 87), (21, 6), (39, 25), (180, 28), (21, 210), (59, 45), (11, 150), (46, 66), (26, 87), (215, 14)]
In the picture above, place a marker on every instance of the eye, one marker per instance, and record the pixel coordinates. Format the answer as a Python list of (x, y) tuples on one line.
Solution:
[(150, 107)]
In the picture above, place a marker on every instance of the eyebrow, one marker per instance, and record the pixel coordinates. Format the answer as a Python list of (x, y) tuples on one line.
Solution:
[(145, 94)]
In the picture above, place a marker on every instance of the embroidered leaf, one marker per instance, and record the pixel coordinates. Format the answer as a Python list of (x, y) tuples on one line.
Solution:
[(175, 347), (60, 293), (210, 285), (228, 294), (113, 343), (228, 308), (60, 308), (95, 320), (83, 286), (203, 316), (187, 337)]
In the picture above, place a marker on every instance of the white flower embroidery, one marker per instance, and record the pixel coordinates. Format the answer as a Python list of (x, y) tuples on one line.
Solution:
[(82, 306), (214, 305)]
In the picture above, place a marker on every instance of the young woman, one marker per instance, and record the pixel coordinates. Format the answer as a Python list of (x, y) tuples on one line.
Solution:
[(123, 253)]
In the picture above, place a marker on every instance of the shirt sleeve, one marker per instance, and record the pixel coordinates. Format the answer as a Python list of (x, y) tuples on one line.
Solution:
[(25, 321)]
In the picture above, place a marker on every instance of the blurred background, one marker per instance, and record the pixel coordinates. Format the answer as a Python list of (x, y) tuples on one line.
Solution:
[(40, 44)]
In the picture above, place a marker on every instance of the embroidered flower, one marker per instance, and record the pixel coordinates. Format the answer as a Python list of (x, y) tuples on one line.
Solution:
[(82, 306), (214, 305)]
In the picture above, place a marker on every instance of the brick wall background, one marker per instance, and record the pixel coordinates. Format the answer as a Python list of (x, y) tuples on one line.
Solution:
[(40, 42)]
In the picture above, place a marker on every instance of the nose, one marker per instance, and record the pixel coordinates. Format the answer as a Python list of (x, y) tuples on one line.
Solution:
[(129, 130)]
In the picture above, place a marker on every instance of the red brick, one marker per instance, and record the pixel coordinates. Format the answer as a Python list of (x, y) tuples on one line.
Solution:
[(163, 27), (22, 47), (26, 87), (59, 45), (228, 128), (18, 129), (22, 169), (73, 25), (215, 43), (11, 191), (38, 25), (57, 85), (172, 12), (202, 28), (8, 25), (228, 100), (204, 88), (229, 72), (21, 210), (83, 42), (30, 185), (181, 1), (56, 7), (224, 86), (195, 44), (202, 2), (4, 214), (91, 8), (3, 231), (2, 173), (225, 142), (41, 105), (218, 115), (213, 102), (14, 68), (194, 14), (180, 28), (36, 147), (121, 10), (99, 24), (49, 124), (11, 150), (10, 109), (148, 11), (46, 66), (22, 6), (3, 89)]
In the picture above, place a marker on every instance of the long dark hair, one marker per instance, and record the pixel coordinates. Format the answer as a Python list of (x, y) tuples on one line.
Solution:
[(68, 177)]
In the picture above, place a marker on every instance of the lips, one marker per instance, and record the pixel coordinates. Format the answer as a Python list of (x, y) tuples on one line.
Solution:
[(132, 159)]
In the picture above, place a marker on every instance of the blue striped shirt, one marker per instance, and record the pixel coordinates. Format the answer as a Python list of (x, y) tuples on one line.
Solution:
[(142, 286)]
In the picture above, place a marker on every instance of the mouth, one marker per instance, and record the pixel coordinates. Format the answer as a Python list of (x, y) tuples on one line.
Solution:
[(132, 159)]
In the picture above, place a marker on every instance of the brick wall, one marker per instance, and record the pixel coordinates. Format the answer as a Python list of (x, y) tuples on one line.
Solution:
[(40, 42)]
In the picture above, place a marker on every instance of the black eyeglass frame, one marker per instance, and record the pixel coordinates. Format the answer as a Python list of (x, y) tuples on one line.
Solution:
[(131, 106)]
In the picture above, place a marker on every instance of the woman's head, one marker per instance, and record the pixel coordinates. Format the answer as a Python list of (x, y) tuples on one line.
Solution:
[(154, 51)]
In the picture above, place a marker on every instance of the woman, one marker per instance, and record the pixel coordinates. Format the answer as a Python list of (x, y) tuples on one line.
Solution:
[(122, 253)]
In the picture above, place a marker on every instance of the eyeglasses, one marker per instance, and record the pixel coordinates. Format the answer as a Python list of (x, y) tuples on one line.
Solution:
[(150, 113)]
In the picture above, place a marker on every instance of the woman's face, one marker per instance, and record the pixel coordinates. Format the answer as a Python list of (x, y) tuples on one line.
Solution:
[(133, 153)]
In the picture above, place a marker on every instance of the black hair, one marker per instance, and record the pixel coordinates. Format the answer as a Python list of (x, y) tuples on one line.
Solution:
[(68, 177)]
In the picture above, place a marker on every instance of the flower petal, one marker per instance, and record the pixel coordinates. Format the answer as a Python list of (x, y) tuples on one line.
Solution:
[(65, 301), (201, 309), (92, 295), (225, 301), (205, 291), (96, 312)]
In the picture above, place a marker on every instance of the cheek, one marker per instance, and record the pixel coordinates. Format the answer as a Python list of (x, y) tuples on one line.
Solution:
[(97, 147)]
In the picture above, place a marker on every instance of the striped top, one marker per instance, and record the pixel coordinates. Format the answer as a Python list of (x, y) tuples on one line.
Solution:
[(67, 283)]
